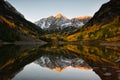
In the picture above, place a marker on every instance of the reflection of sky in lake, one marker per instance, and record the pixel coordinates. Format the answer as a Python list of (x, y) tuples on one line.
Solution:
[(35, 72)]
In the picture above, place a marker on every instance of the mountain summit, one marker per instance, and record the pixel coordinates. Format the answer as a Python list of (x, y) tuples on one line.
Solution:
[(59, 15), (60, 22)]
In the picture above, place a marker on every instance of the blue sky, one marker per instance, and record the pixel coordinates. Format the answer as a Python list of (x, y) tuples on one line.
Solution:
[(34, 10)]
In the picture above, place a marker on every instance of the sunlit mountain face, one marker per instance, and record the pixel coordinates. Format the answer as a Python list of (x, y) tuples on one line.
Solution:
[(61, 22), (59, 26), (59, 15)]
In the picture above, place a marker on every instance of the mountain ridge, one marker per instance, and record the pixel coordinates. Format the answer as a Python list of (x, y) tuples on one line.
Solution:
[(106, 13), (59, 15), (59, 22), (104, 26), (14, 26)]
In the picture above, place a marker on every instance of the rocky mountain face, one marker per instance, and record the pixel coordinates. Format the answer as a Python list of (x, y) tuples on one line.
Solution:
[(13, 25), (105, 24), (60, 22)]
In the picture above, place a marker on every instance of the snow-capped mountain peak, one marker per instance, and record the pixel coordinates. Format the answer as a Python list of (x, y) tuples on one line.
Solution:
[(59, 15), (60, 22)]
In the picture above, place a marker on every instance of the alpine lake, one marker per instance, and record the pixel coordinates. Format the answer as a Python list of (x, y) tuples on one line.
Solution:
[(59, 62)]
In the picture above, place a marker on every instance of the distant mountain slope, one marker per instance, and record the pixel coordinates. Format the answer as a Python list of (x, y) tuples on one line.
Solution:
[(105, 25), (56, 27), (13, 25), (106, 13), (60, 22)]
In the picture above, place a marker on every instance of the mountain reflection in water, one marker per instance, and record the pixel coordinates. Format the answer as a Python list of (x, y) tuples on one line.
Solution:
[(76, 61), (60, 62)]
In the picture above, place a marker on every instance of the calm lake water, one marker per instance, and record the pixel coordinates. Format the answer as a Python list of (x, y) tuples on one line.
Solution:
[(59, 62)]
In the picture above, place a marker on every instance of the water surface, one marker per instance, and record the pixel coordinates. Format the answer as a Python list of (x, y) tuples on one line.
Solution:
[(36, 72), (59, 62)]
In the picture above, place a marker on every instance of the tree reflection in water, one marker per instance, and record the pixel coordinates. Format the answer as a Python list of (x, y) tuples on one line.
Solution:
[(101, 59)]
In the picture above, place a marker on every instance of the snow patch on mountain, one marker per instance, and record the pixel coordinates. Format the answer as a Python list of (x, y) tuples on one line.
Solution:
[(60, 22)]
